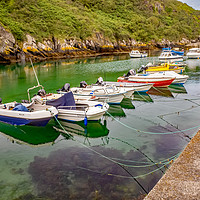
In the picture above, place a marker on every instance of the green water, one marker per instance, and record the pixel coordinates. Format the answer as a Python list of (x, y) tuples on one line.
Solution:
[(44, 163)]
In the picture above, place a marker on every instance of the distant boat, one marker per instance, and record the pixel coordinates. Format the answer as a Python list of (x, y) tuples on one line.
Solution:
[(193, 53), (181, 53), (137, 54), (170, 55)]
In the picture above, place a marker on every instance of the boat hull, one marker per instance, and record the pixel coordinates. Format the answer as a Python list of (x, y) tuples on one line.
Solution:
[(171, 59), (75, 116), (110, 99), (193, 56), (35, 118), (139, 87), (138, 56), (23, 121), (156, 83)]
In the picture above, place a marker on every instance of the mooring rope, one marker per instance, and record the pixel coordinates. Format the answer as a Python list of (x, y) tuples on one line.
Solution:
[(112, 160), (151, 133)]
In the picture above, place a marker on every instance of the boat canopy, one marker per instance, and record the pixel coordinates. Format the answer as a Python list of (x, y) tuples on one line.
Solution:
[(66, 101), (20, 107)]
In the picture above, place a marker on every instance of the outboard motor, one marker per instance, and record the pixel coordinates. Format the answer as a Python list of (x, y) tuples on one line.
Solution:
[(99, 81), (142, 68), (0, 100), (41, 92), (131, 72), (66, 87), (83, 84)]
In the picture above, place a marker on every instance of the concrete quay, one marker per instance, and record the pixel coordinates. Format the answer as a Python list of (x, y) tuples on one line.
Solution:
[(182, 179)]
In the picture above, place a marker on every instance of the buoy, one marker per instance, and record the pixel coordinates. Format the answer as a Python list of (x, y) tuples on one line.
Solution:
[(85, 121)]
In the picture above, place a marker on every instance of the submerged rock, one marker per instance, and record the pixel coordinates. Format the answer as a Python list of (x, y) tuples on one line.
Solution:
[(79, 173)]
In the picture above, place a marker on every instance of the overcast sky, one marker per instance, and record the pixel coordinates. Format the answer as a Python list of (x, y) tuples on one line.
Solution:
[(193, 3)]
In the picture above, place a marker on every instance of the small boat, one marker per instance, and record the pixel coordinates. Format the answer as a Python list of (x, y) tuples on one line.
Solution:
[(139, 87), (137, 54), (150, 68), (169, 55), (193, 53), (157, 79), (108, 94), (179, 78), (71, 110), (175, 50), (33, 114)]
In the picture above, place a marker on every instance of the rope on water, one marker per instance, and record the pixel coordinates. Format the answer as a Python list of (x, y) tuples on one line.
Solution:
[(110, 159), (156, 163), (69, 135), (120, 176), (151, 133), (151, 161)]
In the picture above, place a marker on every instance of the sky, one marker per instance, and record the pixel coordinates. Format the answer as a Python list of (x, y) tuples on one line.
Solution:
[(193, 3)]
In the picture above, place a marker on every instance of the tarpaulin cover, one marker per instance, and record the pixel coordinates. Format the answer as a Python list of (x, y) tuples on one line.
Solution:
[(65, 100), (20, 107)]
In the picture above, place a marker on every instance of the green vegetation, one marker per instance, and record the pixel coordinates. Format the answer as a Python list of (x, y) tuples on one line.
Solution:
[(141, 20)]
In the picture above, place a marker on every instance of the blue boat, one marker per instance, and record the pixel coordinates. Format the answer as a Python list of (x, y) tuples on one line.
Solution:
[(33, 113), (181, 53)]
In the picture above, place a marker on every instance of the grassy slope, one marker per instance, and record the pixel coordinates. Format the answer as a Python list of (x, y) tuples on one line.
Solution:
[(116, 19)]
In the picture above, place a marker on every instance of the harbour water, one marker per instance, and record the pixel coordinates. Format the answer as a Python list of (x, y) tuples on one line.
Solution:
[(120, 157)]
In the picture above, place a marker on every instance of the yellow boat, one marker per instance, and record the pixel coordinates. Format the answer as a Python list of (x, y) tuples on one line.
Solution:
[(166, 67)]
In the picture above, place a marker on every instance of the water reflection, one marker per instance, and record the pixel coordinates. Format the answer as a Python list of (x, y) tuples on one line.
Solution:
[(177, 89), (33, 136), (160, 92), (116, 111), (142, 96), (94, 133), (127, 103)]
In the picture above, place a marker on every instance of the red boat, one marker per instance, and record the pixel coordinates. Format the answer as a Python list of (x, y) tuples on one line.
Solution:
[(158, 79)]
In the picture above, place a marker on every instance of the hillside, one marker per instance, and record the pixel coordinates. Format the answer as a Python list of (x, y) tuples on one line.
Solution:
[(114, 20)]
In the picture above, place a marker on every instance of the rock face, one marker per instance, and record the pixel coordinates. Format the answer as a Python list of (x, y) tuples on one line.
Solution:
[(6, 39), (54, 48)]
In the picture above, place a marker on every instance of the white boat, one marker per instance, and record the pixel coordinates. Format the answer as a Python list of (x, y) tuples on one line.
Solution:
[(108, 94), (137, 54), (193, 53), (179, 78), (139, 87), (33, 114), (157, 79), (71, 110), (170, 56)]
